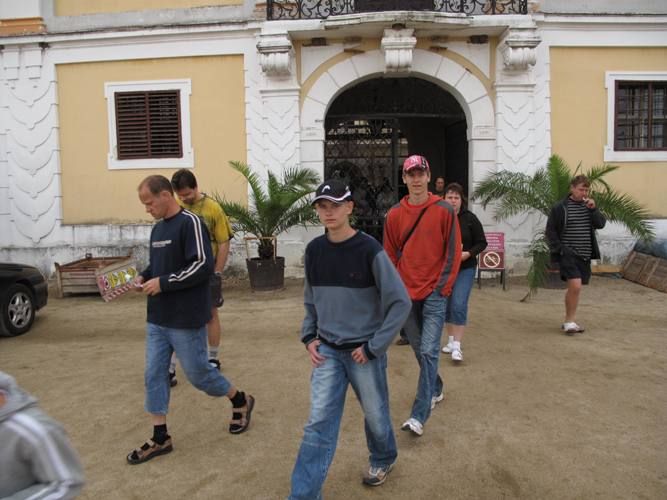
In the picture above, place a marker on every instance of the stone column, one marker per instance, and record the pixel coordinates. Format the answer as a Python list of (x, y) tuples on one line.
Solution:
[(279, 101), (29, 148), (515, 109), (516, 127)]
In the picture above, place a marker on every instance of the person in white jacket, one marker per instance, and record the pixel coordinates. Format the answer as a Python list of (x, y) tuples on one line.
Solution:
[(37, 460)]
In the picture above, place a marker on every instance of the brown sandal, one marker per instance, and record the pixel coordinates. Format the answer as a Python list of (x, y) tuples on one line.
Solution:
[(237, 426), (148, 450)]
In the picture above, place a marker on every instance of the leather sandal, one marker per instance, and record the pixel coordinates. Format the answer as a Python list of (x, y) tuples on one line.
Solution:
[(237, 426), (148, 450)]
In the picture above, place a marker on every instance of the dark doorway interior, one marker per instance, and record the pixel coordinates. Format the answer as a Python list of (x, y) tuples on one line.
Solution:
[(372, 127)]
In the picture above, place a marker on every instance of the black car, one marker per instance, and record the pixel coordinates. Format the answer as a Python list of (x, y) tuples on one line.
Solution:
[(23, 291)]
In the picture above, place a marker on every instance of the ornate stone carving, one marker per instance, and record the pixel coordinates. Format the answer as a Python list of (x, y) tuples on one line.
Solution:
[(518, 48), (275, 53), (29, 107), (397, 46)]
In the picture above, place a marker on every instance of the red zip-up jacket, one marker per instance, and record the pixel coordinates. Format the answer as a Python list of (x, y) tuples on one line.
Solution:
[(431, 257)]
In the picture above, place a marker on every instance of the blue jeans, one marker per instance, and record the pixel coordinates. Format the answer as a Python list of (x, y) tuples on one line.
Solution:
[(328, 385), (191, 351), (457, 304), (424, 330)]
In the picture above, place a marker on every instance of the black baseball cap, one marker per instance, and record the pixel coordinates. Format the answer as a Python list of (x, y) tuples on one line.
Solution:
[(333, 190)]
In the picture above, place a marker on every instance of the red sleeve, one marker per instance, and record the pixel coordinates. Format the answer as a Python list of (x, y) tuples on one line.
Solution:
[(390, 240), (450, 269)]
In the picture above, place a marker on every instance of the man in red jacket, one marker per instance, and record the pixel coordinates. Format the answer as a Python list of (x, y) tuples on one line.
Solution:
[(423, 240)]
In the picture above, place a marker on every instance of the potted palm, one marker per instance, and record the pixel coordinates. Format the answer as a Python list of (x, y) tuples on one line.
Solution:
[(274, 207), (515, 193)]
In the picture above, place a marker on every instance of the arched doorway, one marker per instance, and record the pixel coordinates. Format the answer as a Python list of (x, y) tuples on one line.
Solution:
[(372, 127)]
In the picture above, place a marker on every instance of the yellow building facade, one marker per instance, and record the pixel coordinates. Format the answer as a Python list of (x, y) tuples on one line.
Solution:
[(580, 111), (217, 130)]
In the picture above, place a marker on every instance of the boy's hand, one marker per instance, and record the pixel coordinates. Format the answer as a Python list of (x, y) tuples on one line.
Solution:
[(359, 356), (316, 359)]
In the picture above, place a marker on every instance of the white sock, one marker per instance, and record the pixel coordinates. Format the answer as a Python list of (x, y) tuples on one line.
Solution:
[(172, 364), (456, 344), (213, 352), (451, 340)]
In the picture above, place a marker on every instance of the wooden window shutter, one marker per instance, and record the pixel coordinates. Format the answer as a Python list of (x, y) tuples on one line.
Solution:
[(148, 124)]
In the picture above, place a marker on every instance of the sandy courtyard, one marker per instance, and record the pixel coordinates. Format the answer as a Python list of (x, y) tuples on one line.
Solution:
[(531, 413)]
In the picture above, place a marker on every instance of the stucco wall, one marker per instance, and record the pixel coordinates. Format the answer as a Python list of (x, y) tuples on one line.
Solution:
[(82, 7), (93, 194), (579, 115)]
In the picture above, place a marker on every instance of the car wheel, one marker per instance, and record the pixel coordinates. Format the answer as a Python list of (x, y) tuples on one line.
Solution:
[(18, 310)]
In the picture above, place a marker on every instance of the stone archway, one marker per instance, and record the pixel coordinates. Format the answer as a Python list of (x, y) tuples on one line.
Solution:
[(372, 126), (465, 87)]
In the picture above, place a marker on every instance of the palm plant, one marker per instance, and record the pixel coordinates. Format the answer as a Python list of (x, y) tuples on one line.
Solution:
[(281, 204), (515, 193)]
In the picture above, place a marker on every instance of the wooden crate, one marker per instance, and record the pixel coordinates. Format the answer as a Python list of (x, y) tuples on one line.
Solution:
[(647, 270), (79, 276)]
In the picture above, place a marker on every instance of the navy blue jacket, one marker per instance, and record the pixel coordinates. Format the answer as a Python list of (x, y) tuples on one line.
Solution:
[(353, 295), (180, 255)]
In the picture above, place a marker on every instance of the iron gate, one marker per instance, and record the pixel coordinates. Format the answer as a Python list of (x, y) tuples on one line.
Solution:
[(365, 153), (372, 127)]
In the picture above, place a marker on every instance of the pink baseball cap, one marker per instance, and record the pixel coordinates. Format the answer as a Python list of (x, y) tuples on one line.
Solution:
[(415, 161)]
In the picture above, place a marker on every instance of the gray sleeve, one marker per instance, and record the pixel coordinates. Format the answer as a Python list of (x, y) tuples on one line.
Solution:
[(309, 326), (395, 303), (55, 464)]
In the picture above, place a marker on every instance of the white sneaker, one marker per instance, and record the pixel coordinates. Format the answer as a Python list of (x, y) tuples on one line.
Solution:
[(457, 355), (448, 348), (436, 399), (413, 425), (570, 328)]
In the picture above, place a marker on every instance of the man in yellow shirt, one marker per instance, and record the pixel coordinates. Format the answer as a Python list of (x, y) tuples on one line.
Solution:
[(189, 197)]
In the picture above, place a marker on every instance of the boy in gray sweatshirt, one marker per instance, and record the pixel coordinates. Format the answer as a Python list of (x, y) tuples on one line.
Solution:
[(355, 305), (37, 460)]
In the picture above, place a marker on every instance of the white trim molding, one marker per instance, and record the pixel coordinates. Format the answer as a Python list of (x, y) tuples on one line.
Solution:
[(610, 84), (185, 88)]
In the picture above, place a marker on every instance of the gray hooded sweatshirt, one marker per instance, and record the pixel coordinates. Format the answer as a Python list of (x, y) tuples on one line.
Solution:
[(37, 460)]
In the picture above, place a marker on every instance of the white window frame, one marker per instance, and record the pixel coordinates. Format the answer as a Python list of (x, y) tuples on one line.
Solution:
[(610, 84), (185, 88)]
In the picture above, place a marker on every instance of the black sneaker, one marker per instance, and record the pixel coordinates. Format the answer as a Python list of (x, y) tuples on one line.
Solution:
[(214, 363), (172, 379)]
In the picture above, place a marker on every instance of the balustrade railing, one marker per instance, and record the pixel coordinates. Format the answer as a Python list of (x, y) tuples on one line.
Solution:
[(322, 9)]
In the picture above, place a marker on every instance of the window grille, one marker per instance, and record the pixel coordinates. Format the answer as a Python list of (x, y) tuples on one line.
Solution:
[(640, 116)]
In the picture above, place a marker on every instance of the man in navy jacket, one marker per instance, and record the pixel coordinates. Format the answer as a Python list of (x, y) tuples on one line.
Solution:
[(179, 306)]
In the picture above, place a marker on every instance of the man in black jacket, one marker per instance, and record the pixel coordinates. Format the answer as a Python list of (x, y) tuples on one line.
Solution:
[(571, 235), (176, 283)]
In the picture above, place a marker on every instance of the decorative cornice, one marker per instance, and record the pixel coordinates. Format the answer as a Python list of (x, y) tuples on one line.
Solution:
[(398, 45), (518, 48), (275, 51)]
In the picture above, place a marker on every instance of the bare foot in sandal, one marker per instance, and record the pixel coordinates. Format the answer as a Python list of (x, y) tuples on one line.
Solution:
[(150, 449), (241, 416)]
